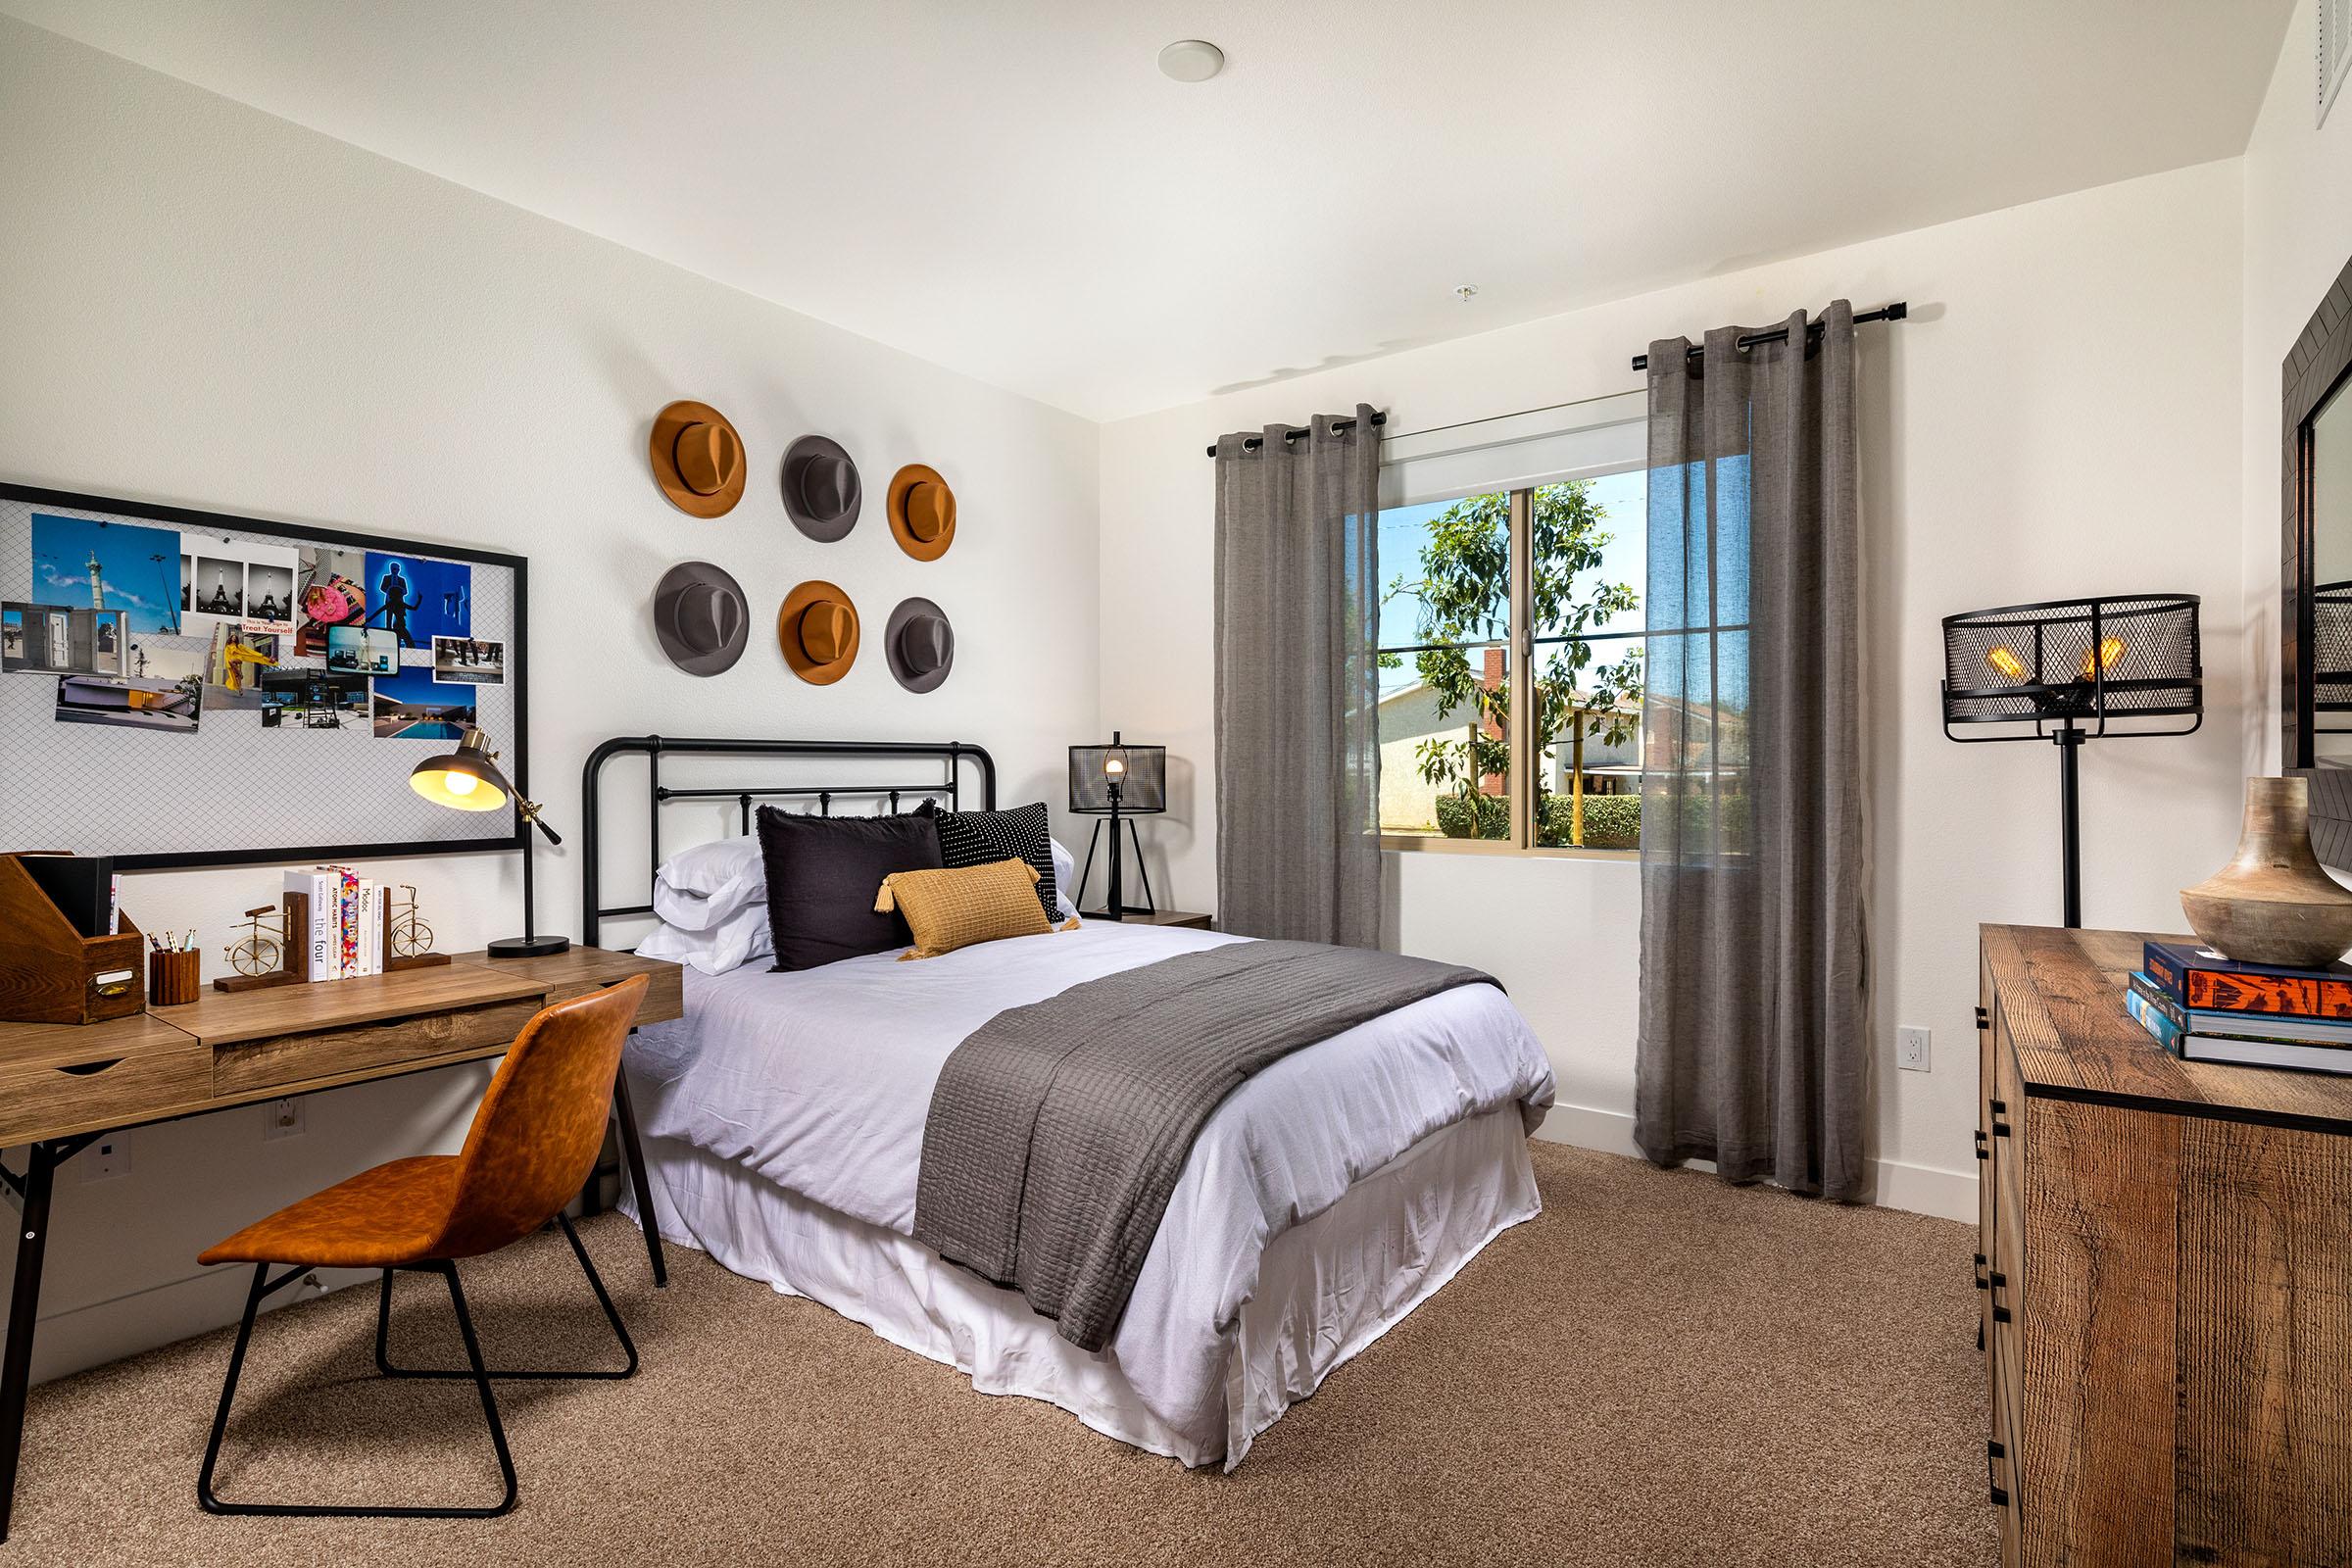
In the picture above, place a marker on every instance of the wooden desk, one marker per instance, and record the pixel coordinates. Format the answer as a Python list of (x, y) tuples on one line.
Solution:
[(64, 1085)]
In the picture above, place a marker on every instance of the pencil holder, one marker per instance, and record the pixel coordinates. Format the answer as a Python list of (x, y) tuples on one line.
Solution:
[(173, 979)]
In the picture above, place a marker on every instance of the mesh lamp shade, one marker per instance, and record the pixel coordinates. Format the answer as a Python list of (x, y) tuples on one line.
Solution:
[(2070, 671), (1141, 773), (2105, 667), (2331, 649)]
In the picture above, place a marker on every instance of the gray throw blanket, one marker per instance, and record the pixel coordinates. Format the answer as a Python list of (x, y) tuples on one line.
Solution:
[(1057, 1130)]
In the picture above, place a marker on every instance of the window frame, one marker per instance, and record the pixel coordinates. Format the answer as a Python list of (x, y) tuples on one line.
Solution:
[(1520, 652)]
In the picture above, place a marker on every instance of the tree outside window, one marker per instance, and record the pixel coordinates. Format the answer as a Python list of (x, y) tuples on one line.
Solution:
[(1587, 653)]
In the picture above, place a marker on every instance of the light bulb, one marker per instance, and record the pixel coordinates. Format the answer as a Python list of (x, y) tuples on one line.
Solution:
[(1114, 767), (2111, 649), (2006, 665), (459, 783)]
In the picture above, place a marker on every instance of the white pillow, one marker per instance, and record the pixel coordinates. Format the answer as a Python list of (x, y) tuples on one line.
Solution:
[(698, 889), (1065, 867), (728, 944)]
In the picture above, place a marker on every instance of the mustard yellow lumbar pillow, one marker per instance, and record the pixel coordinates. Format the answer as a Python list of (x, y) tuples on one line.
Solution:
[(951, 910)]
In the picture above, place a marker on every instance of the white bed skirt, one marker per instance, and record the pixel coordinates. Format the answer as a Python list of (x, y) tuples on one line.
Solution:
[(1326, 1288)]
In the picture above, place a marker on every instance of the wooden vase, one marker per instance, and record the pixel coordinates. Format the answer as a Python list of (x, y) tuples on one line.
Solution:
[(2273, 902)]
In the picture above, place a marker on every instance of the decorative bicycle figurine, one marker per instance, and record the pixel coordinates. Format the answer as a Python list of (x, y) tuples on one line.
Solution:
[(259, 952), (411, 938)]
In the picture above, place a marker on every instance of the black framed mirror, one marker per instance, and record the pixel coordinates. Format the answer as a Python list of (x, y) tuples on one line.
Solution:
[(2316, 566)]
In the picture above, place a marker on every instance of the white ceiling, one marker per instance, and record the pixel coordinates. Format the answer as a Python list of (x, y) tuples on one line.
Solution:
[(1010, 189)]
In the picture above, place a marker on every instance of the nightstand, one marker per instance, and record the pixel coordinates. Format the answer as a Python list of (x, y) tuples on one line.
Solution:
[(1197, 921)]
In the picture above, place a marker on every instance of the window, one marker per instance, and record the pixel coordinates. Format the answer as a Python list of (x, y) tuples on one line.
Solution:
[(1541, 571)]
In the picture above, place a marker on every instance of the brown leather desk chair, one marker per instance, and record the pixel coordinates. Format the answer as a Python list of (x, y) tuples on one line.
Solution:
[(534, 1138)]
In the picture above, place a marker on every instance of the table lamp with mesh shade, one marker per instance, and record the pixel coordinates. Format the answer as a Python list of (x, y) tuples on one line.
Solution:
[(2070, 670), (1121, 782), (468, 779)]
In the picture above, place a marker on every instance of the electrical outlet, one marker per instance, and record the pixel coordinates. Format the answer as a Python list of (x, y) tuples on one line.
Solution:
[(107, 1158), (283, 1119), (1911, 1048)]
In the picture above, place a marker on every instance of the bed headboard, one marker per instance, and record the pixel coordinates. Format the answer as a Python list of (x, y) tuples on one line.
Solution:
[(950, 756)]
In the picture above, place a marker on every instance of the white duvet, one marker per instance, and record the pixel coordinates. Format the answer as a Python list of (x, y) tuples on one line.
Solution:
[(821, 1079)]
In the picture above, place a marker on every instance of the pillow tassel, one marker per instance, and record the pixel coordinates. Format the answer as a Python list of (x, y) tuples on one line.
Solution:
[(886, 900)]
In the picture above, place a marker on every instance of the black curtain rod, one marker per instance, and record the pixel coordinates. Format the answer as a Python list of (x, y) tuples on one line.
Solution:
[(1379, 417), (1898, 310)]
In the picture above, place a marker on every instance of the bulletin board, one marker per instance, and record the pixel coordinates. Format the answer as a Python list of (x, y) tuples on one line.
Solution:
[(184, 688)]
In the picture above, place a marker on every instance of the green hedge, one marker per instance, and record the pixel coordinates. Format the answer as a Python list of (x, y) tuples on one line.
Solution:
[(1611, 822), (1493, 817)]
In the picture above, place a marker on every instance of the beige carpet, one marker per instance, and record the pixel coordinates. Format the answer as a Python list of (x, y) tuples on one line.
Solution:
[(1661, 1370)]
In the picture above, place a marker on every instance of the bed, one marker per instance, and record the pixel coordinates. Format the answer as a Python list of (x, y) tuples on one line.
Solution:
[(1335, 1191)]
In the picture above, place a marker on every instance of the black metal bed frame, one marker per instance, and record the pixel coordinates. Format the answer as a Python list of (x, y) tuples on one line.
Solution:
[(951, 754)]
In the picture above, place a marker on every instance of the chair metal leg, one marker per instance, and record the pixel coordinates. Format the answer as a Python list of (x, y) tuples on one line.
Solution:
[(262, 1288), (603, 1299)]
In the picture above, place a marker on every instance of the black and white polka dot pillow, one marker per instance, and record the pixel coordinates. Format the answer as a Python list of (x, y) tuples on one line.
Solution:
[(976, 838)]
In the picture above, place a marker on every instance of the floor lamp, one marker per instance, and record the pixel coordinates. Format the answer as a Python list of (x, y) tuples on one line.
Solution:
[(2071, 671), (1121, 782)]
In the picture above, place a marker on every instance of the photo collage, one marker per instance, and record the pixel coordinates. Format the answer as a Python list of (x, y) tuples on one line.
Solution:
[(146, 627)]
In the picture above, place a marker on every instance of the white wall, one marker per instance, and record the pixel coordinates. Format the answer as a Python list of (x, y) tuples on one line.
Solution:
[(205, 305), (2298, 236), (2059, 417)]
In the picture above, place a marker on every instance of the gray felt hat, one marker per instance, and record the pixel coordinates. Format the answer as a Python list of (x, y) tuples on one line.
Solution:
[(920, 645), (822, 491), (701, 617)]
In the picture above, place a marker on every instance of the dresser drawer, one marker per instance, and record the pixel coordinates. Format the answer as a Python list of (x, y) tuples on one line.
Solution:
[(268, 1063), (62, 1090)]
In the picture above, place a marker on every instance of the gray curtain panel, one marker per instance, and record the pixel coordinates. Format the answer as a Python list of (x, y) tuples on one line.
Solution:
[(1753, 1049), (1298, 743)]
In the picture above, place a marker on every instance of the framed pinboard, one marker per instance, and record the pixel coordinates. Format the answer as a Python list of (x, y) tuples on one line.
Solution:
[(186, 688)]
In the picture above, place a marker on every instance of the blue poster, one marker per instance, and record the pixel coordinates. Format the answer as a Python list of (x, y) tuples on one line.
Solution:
[(417, 599), (412, 706), (107, 565)]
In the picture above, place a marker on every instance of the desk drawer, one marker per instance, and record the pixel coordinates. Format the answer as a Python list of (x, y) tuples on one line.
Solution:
[(357, 1048), (106, 1090)]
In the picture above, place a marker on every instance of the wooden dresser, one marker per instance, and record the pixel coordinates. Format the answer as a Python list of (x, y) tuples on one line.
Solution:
[(2166, 1270)]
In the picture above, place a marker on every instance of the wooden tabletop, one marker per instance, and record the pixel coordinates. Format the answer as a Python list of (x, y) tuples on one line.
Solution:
[(58, 1045), (234, 1048), (2062, 1003), (224, 1017)]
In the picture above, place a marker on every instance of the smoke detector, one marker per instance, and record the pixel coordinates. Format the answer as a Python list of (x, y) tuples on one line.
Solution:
[(1191, 60)]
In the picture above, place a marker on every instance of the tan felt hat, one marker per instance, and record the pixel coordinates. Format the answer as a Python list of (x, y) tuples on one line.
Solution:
[(698, 459), (922, 512), (818, 630)]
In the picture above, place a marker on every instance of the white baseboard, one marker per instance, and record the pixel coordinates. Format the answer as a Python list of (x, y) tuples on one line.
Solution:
[(84, 1336), (1914, 1189)]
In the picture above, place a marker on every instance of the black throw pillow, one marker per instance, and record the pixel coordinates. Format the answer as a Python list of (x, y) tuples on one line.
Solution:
[(823, 875), (976, 838)]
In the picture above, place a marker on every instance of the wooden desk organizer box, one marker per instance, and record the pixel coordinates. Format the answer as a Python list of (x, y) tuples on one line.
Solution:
[(50, 972)]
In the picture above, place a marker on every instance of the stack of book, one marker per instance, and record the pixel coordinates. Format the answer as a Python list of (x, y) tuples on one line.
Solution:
[(347, 921), (2204, 1008)]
